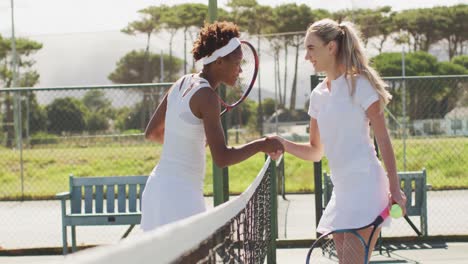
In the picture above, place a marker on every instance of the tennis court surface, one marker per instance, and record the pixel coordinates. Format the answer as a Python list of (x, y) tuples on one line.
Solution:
[(236, 231)]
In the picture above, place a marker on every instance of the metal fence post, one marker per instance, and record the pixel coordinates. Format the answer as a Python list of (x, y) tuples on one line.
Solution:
[(271, 255)]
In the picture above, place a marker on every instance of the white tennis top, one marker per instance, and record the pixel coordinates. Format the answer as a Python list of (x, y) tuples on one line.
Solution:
[(361, 189), (174, 189)]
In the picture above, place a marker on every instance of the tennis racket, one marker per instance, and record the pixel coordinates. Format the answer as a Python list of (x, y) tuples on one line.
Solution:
[(239, 92), (353, 249)]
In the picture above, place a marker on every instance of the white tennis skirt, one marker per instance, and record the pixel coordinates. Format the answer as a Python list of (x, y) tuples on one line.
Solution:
[(168, 198), (357, 199)]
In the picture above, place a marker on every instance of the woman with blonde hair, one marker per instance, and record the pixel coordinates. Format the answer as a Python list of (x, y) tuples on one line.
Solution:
[(341, 107)]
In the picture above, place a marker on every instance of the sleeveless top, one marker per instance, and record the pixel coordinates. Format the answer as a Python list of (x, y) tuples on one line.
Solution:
[(183, 150), (174, 189)]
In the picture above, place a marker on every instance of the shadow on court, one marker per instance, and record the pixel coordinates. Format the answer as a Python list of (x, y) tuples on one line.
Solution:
[(391, 251)]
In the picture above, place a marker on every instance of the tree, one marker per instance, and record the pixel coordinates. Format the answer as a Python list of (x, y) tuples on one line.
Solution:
[(97, 121), (34, 117), (172, 23), (461, 60), (375, 23), (100, 110), (257, 19), (146, 25), (437, 94), (66, 115), (454, 27), (96, 101), (132, 118), (130, 69), (416, 64), (298, 18), (26, 76), (190, 15), (421, 24), (269, 106)]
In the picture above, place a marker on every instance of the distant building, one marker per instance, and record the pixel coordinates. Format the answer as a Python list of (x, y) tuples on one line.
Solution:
[(454, 123)]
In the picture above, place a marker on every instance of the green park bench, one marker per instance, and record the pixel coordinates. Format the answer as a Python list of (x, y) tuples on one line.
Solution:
[(93, 200), (413, 184)]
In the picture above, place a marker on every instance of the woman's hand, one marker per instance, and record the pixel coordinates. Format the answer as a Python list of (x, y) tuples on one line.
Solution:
[(398, 197), (276, 154), (273, 147)]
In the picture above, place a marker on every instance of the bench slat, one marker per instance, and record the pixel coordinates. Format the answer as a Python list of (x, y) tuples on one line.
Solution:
[(110, 196), (76, 200), (96, 189), (103, 219), (106, 180), (142, 188), (99, 198), (88, 203), (121, 198), (132, 197)]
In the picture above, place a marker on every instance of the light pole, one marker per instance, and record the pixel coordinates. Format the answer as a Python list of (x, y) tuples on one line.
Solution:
[(220, 175), (403, 102), (17, 97)]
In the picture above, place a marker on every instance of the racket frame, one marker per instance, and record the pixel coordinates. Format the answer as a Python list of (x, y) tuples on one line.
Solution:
[(229, 107), (376, 223)]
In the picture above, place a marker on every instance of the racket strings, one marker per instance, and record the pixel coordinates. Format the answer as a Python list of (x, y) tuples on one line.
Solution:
[(339, 250), (249, 68)]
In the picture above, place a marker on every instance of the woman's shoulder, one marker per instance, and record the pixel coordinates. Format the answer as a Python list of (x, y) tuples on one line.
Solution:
[(362, 81), (320, 89)]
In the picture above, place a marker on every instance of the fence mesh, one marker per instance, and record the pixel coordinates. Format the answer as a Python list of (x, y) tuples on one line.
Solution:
[(98, 131)]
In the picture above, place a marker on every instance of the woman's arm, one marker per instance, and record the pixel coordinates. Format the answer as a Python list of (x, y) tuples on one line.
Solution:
[(155, 129), (307, 151), (377, 120), (205, 105)]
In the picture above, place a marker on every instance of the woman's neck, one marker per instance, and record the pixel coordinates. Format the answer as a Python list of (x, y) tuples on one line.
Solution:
[(210, 77), (334, 73)]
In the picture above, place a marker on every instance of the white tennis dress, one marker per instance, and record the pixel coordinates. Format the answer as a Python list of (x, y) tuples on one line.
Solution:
[(174, 189), (361, 185)]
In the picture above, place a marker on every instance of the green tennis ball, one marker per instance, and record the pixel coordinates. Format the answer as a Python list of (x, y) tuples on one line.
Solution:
[(396, 211)]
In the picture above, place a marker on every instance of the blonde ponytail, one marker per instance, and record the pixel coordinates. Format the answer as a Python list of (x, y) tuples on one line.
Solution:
[(351, 55)]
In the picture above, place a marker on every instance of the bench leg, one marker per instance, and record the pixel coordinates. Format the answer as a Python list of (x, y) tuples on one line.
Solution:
[(73, 233), (64, 239), (128, 231), (424, 225)]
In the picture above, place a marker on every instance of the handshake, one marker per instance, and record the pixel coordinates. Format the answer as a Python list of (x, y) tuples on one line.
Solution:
[(273, 146)]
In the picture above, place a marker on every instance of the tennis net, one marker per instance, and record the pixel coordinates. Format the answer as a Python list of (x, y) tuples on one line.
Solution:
[(238, 231)]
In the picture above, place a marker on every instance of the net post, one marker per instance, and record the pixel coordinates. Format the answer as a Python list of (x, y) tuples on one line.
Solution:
[(220, 175), (271, 255), (212, 10), (318, 192), (314, 81)]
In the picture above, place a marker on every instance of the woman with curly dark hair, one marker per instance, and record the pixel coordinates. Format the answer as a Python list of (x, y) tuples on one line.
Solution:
[(185, 121)]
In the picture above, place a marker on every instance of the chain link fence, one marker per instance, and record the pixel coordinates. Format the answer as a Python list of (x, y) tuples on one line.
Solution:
[(85, 131), (428, 123), (73, 130), (99, 131)]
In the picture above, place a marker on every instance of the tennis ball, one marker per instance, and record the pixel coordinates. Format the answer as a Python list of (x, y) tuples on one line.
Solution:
[(395, 211)]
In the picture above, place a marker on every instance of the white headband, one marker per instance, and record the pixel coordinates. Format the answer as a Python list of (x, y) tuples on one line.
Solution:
[(223, 51)]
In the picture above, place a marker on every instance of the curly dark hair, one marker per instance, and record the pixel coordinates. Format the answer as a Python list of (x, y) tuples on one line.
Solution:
[(212, 37)]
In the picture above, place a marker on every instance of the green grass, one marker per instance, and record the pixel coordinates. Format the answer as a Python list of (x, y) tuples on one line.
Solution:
[(46, 170)]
